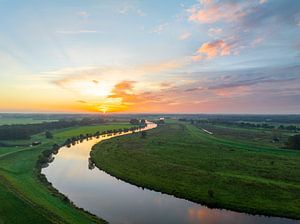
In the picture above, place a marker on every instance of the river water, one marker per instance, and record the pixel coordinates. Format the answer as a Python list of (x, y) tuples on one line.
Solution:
[(119, 202)]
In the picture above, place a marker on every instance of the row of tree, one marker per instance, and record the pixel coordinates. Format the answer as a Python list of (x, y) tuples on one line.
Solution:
[(46, 156), (137, 121), (75, 139)]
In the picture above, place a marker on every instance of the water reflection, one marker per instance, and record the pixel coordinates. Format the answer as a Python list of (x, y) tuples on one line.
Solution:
[(74, 174)]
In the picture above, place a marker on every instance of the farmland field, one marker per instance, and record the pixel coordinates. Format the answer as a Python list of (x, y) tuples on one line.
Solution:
[(9, 121), (24, 197), (232, 172)]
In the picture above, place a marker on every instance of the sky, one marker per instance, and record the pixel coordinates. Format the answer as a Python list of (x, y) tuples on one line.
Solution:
[(170, 56)]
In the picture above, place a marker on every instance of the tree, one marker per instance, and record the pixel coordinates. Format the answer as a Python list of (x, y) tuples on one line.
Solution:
[(276, 134), (48, 134), (55, 146), (143, 134), (293, 142), (134, 121)]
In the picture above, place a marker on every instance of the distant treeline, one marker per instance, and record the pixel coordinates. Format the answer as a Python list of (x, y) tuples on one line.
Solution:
[(242, 124), (136, 121), (288, 119), (14, 132)]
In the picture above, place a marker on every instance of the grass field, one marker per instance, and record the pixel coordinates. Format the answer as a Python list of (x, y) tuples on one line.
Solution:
[(255, 136), (8, 121), (182, 160), (24, 198)]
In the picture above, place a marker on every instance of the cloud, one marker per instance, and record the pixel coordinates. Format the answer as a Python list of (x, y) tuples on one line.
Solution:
[(247, 23), (127, 8), (128, 98), (263, 1), (247, 78), (92, 83), (79, 31), (163, 66), (204, 89), (211, 12), (160, 28), (257, 41), (212, 49), (83, 14), (124, 87), (140, 12), (214, 31), (184, 36)]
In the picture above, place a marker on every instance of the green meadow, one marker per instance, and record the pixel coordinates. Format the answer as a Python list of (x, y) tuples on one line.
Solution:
[(9, 121), (237, 172), (24, 197)]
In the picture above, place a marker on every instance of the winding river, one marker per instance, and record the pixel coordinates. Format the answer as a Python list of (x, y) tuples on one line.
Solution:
[(119, 202)]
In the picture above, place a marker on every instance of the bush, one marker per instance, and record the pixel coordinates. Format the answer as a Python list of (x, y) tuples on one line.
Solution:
[(143, 134), (48, 134)]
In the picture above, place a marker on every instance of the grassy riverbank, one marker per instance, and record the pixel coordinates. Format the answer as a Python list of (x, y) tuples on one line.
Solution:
[(182, 160), (24, 197)]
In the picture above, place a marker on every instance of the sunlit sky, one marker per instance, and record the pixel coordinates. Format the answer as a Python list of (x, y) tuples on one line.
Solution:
[(153, 56)]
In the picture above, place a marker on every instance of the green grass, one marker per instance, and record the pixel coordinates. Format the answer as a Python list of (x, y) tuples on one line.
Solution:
[(255, 135), (182, 160), (4, 150), (8, 121), (26, 199)]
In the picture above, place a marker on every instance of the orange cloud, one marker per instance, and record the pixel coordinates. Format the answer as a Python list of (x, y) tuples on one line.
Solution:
[(124, 97), (213, 49)]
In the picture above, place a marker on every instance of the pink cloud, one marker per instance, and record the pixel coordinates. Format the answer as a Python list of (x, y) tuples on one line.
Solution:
[(263, 1), (211, 12), (232, 92), (210, 50), (257, 41)]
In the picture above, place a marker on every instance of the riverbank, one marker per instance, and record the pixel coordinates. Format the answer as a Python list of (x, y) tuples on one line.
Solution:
[(181, 160), (28, 198)]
